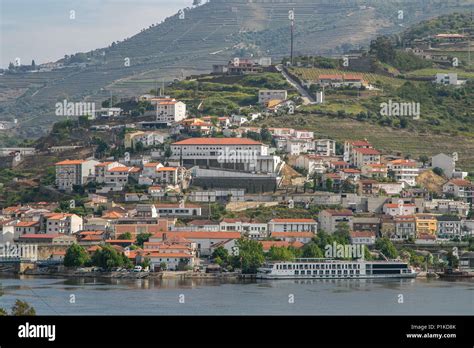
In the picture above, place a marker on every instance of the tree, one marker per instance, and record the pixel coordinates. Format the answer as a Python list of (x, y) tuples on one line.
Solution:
[(168, 152), (424, 159), (125, 236), (452, 259), (221, 253), (76, 256), (383, 49), (107, 257), (342, 233), (386, 247), (280, 254), (438, 171), (312, 250), (250, 256), (266, 135), (142, 238), (22, 308)]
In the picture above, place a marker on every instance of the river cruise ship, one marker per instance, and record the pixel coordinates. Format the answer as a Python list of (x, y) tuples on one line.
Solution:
[(335, 269)]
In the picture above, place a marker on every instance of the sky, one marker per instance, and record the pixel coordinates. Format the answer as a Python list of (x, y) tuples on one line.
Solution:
[(45, 31)]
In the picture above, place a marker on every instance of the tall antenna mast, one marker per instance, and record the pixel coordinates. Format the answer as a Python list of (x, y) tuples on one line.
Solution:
[(291, 17)]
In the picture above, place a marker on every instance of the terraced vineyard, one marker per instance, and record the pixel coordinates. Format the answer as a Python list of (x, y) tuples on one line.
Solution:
[(312, 74)]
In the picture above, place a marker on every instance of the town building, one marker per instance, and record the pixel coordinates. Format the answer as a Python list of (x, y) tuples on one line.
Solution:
[(292, 225), (70, 173), (363, 237), (247, 227), (404, 171), (330, 219), (238, 154), (460, 188), (169, 110), (426, 224), (449, 227), (61, 223)]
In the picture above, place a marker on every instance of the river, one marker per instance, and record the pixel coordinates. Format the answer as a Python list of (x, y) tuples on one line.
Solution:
[(104, 296)]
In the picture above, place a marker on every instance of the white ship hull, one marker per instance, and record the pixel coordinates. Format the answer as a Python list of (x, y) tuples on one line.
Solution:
[(275, 276), (335, 269)]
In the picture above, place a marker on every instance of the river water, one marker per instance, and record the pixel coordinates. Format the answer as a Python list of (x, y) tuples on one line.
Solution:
[(99, 296)]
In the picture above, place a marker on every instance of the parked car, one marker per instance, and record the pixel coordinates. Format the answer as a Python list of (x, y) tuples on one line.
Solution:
[(137, 268)]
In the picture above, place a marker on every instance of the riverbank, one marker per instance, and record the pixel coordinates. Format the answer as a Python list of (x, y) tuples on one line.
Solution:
[(126, 274)]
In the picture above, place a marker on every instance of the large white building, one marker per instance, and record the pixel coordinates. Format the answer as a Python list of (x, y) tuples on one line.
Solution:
[(74, 172), (169, 110), (292, 225), (404, 171), (239, 154)]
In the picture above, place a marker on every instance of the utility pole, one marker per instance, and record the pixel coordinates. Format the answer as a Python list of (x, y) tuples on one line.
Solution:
[(291, 17)]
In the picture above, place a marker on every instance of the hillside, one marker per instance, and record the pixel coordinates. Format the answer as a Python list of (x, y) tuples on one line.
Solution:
[(209, 34)]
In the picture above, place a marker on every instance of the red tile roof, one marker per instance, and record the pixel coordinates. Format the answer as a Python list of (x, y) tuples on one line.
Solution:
[(69, 162), (461, 182), (27, 223), (366, 151), (330, 77)]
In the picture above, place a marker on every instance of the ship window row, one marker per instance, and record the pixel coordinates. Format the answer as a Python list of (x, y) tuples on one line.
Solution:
[(317, 266), (328, 272)]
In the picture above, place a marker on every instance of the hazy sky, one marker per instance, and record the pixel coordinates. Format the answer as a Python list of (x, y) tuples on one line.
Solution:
[(43, 30)]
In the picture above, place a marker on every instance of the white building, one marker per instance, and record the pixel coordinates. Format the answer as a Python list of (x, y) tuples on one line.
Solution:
[(119, 176), (239, 154), (292, 225), (460, 188), (448, 79), (74, 172), (449, 227), (253, 229), (365, 156), (325, 147), (395, 209), (102, 168), (63, 223), (169, 110), (363, 237), (178, 210), (404, 171)]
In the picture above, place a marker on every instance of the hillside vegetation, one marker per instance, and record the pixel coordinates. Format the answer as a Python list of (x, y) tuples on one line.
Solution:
[(210, 34)]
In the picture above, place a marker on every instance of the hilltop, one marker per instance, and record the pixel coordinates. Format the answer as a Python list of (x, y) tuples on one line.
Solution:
[(209, 34)]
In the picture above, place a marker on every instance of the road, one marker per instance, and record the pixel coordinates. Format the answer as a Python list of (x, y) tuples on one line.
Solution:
[(307, 98)]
